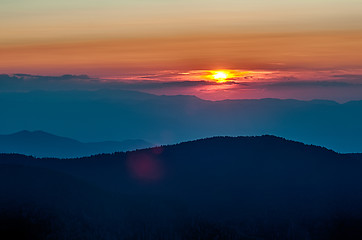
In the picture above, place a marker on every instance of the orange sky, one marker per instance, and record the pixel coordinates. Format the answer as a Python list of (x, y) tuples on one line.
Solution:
[(107, 57), (109, 37)]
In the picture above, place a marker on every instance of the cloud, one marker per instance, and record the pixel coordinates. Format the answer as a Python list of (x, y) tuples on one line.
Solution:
[(149, 84), (311, 84), (27, 82), (349, 76), (47, 78)]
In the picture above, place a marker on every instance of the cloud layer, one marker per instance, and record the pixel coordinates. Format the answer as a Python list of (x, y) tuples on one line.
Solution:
[(339, 87)]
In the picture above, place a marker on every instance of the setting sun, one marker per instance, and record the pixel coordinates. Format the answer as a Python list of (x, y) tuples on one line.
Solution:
[(220, 76)]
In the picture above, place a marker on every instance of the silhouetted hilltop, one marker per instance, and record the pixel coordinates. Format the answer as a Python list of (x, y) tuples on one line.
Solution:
[(43, 144), (225, 187), (225, 161)]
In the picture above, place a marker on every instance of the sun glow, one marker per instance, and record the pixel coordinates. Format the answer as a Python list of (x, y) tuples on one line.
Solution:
[(220, 76), (227, 76)]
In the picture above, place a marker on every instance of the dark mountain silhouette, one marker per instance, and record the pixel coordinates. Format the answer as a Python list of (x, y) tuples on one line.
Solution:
[(42, 144), (218, 188), (38, 203), (109, 114)]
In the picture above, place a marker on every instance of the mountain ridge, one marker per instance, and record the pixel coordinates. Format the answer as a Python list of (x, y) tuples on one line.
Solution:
[(43, 144), (111, 114)]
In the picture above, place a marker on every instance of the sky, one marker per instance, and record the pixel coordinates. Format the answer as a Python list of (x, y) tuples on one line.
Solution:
[(303, 49)]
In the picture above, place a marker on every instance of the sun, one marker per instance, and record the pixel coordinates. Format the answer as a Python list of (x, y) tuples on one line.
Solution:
[(220, 76)]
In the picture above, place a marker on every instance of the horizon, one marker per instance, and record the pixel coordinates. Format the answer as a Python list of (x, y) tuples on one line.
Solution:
[(236, 85)]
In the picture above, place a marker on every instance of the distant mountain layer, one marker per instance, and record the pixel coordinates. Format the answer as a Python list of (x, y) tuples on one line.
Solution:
[(42, 144), (118, 115), (218, 188)]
